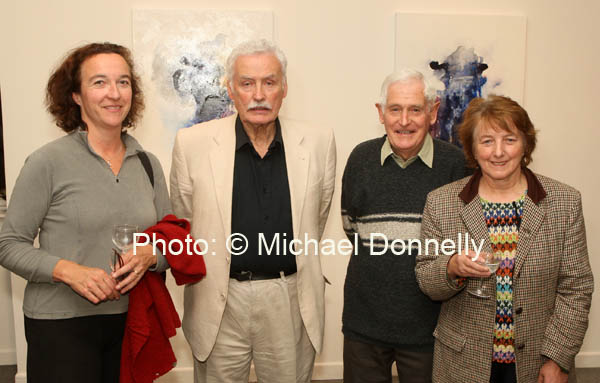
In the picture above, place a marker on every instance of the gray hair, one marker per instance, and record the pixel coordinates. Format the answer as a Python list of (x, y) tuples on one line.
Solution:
[(254, 47), (405, 75)]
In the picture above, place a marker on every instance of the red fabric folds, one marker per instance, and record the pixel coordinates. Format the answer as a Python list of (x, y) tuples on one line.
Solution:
[(146, 353)]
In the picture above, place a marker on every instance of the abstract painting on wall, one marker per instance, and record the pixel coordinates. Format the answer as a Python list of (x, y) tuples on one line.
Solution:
[(465, 56), (182, 53)]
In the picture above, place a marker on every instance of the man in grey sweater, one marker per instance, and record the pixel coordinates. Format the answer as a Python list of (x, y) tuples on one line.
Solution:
[(386, 317)]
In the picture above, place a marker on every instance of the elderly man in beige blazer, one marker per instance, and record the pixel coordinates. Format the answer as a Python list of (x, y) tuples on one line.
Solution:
[(250, 184)]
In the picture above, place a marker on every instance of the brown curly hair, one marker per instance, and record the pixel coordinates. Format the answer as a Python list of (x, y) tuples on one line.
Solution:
[(66, 80), (498, 111)]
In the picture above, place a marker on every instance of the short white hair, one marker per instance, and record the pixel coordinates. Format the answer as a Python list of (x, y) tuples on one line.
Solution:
[(405, 75), (253, 47)]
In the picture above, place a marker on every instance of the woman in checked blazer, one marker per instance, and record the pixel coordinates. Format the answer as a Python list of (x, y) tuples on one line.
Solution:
[(531, 319)]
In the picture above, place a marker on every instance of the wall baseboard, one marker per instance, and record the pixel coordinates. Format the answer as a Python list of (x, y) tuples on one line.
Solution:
[(588, 360), (322, 371), (331, 371), (8, 356), (21, 377)]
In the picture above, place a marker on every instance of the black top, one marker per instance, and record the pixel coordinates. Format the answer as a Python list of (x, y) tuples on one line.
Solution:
[(261, 206)]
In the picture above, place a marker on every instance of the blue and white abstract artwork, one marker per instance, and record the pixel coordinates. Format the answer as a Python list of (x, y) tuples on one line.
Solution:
[(462, 75), (180, 56), (465, 56), (182, 53)]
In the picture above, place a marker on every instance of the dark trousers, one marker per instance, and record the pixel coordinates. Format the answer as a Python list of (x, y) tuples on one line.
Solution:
[(368, 363), (503, 373), (75, 350)]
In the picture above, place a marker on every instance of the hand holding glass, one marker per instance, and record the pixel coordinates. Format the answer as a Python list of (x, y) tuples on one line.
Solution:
[(122, 238), (492, 261)]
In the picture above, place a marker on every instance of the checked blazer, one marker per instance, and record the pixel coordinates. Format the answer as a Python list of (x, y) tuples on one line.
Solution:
[(552, 281)]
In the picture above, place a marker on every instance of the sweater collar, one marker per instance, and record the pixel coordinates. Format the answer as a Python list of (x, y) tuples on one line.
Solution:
[(132, 146), (535, 190)]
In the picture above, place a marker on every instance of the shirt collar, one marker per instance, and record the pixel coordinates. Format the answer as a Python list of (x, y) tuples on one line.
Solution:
[(425, 154), (241, 137)]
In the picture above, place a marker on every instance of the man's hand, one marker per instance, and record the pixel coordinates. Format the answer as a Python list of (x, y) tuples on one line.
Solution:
[(92, 283), (551, 373), (461, 265)]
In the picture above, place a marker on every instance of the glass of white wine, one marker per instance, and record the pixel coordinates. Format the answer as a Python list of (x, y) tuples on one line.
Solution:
[(492, 261), (122, 238)]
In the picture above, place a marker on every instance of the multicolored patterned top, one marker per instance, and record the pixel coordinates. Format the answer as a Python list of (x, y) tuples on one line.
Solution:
[(503, 221)]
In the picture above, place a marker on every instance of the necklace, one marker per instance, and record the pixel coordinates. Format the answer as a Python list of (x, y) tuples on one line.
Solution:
[(115, 156)]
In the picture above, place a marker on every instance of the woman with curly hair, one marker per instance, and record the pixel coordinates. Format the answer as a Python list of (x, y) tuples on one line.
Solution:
[(72, 192)]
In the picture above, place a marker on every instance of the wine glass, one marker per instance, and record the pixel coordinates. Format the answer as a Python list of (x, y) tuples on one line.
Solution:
[(492, 261), (122, 238)]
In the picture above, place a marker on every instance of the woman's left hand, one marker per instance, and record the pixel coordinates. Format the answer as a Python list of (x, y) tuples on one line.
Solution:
[(551, 373), (134, 267)]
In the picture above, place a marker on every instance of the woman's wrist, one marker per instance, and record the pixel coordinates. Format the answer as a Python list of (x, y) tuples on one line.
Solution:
[(450, 268), (58, 273)]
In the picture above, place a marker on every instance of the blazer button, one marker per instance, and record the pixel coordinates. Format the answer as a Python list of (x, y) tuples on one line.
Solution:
[(519, 310), (521, 346)]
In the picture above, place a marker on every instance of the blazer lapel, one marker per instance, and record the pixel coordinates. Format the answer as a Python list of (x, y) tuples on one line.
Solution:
[(222, 161), (533, 215), (297, 162), (472, 216)]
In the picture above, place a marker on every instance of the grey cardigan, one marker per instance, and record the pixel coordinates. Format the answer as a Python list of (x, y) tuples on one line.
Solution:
[(68, 194)]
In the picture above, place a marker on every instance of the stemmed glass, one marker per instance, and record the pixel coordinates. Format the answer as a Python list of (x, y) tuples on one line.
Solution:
[(492, 261), (122, 238)]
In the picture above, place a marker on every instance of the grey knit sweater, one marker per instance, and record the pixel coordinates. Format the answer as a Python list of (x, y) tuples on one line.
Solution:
[(68, 194), (382, 301)]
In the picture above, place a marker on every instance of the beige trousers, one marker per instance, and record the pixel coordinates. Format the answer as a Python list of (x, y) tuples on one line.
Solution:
[(261, 323)]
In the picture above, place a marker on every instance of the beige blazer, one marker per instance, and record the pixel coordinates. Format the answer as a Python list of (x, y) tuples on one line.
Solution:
[(552, 281), (201, 191)]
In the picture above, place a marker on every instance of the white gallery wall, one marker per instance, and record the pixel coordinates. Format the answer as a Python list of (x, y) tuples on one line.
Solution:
[(339, 51)]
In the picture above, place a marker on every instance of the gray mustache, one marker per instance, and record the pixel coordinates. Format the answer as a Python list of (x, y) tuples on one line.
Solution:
[(263, 104)]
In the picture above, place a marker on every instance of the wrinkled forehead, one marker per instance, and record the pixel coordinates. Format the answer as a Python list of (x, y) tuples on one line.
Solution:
[(264, 63), (406, 92)]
